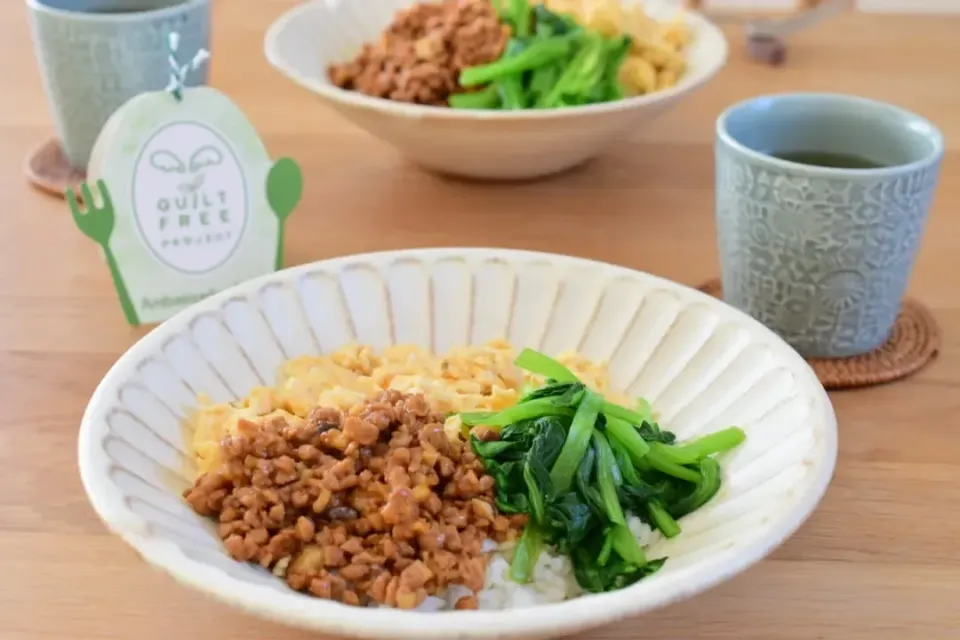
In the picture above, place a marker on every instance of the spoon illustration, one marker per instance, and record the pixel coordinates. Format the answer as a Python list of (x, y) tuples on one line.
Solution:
[(284, 190)]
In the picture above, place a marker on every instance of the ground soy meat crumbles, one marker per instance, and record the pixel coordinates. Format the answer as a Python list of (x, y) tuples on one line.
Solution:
[(374, 506), (419, 57)]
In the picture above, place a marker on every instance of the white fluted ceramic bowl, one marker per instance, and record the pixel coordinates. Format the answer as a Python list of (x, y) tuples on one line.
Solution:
[(502, 145), (704, 366)]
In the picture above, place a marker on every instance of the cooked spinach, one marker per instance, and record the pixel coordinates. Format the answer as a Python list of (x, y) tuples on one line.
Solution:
[(612, 575), (661, 519), (609, 479), (556, 23), (519, 463), (518, 413), (576, 443), (706, 488), (543, 365), (572, 520), (579, 466), (525, 555), (566, 394), (650, 432)]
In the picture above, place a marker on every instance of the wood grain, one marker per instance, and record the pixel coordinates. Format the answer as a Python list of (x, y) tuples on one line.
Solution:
[(878, 560)]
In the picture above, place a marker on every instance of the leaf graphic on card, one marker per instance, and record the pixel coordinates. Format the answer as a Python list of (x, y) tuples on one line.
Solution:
[(205, 157), (167, 161)]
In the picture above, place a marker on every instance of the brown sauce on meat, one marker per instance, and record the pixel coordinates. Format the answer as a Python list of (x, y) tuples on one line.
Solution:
[(373, 506), (420, 55)]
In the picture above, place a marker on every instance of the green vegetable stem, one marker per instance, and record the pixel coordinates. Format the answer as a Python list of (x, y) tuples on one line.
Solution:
[(510, 87), (660, 460), (539, 53), (696, 450), (609, 88), (578, 439), (521, 17), (541, 365), (707, 487), (627, 436), (525, 555), (542, 81), (662, 520), (626, 545), (517, 14), (517, 413), (550, 23), (580, 467), (486, 98), (608, 479), (580, 76), (551, 61)]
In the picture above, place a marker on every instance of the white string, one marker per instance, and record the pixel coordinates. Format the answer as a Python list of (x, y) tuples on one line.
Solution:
[(178, 72)]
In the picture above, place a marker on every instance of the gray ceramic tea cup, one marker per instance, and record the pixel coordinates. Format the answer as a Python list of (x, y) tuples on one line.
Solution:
[(95, 55), (820, 254)]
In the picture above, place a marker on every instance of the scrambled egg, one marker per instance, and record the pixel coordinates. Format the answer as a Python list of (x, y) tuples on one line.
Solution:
[(465, 379)]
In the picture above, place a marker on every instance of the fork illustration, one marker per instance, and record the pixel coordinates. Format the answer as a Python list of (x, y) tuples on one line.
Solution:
[(97, 224)]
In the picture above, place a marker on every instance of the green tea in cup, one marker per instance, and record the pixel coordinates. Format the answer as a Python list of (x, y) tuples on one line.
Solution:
[(836, 160)]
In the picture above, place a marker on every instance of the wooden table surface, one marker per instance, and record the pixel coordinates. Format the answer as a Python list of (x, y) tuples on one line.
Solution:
[(880, 559)]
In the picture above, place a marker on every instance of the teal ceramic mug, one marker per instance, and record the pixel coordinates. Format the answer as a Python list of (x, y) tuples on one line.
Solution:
[(822, 200), (94, 55)]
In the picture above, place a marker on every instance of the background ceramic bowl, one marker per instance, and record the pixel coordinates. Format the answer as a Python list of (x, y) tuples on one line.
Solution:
[(503, 145), (704, 366)]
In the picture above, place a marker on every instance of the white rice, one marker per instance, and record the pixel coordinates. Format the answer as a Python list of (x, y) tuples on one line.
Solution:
[(553, 579)]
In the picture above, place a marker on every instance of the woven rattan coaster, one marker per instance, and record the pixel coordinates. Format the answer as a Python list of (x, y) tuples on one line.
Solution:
[(48, 170), (913, 343)]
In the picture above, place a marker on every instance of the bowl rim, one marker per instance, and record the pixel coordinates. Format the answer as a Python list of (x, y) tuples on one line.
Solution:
[(291, 608), (701, 25), (911, 121), (78, 15)]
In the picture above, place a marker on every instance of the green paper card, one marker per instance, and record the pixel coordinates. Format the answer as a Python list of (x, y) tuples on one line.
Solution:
[(184, 200)]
